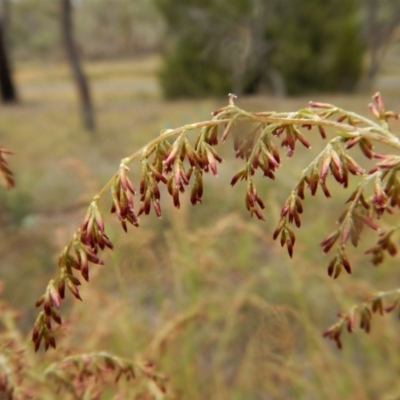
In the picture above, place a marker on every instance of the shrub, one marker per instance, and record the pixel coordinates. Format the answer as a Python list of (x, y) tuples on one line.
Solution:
[(312, 45)]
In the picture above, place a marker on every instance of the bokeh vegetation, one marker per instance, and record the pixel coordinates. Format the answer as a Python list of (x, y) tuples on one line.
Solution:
[(204, 292), (291, 46)]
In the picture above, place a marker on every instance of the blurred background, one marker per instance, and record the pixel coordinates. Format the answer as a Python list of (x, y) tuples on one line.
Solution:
[(204, 292)]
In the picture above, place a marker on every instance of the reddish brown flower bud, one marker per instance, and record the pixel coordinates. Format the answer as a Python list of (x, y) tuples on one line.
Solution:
[(302, 139), (345, 262), (366, 147), (373, 110), (74, 290), (352, 142), (350, 321), (346, 230), (329, 241), (353, 167), (392, 306), (379, 103), (56, 317), (322, 131), (40, 301), (365, 322), (172, 154), (313, 181), (300, 189), (325, 189), (279, 228), (238, 176), (211, 162), (54, 295), (61, 288), (326, 162), (377, 305), (317, 104), (331, 266)]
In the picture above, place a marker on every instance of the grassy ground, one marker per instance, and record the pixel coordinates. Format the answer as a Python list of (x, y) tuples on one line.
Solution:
[(204, 292)]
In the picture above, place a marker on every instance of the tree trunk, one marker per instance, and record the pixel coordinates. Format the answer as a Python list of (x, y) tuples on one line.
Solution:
[(7, 87), (78, 74)]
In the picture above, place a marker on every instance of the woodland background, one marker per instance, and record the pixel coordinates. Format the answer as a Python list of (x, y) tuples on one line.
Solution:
[(246, 319)]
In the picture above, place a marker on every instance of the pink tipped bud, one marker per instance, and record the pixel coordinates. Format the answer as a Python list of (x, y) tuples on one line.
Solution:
[(317, 104), (211, 162), (74, 290), (373, 110), (279, 228), (55, 296), (326, 161), (40, 301), (329, 241), (379, 103), (322, 131)]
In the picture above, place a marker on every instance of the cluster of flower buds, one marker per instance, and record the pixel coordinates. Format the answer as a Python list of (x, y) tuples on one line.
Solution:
[(377, 109), (43, 330), (174, 166), (253, 200), (292, 134), (266, 157), (81, 251), (288, 237), (122, 192), (196, 192), (149, 190), (392, 188), (334, 332), (338, 263), (201, 158), (6, 173), (85, 375), (292, 209), (84, 255), (260, 153), (340, 164), (379, 200), (92, 229), (290, 213), (365, 311), (384, 244)]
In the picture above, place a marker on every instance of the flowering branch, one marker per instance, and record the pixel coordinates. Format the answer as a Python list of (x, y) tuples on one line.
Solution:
[(73, 372), (179, 158), (364, 313)]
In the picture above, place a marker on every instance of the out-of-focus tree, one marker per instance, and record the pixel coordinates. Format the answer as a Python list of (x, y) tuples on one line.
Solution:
[(7, 86), (118, 28), (317, 44), (5, 16), (382, 18), (77, 71), (219, 46), (106, 28)]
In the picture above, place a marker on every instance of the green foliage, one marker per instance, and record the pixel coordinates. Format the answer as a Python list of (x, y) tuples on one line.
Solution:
[(313, 45)]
